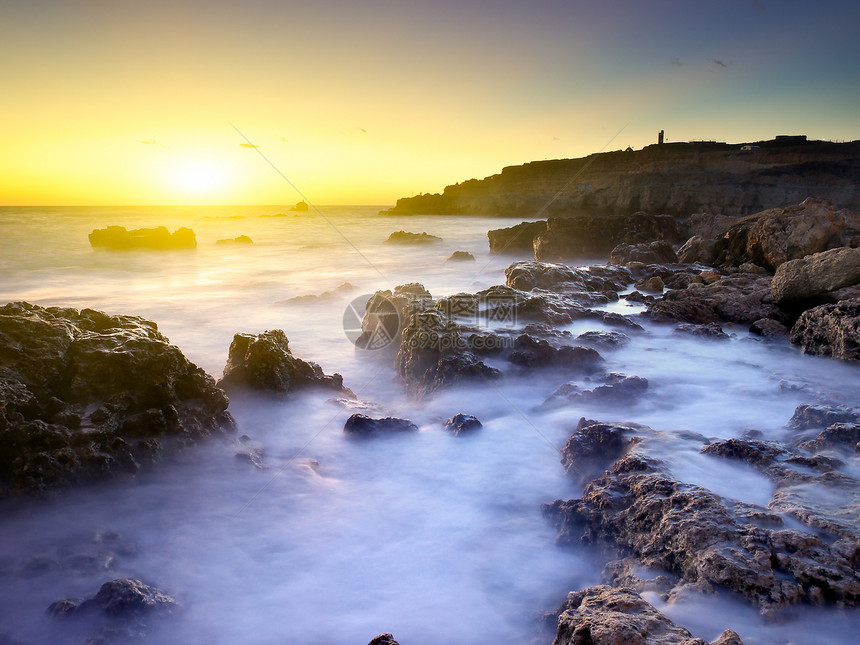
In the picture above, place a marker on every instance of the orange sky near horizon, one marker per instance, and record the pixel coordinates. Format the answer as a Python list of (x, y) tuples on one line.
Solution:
[(361, 103)]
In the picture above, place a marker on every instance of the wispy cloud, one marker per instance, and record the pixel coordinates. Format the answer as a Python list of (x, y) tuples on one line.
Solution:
[(151, 142), (248, 145), (677, 63), (720, 63)]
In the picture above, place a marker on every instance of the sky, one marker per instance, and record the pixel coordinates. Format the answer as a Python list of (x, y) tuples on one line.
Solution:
[(363, 102)]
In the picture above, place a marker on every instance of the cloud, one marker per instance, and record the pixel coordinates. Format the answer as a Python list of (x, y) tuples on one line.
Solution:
[(720, 63), (151, 142), (284, 140), (363, 130), (677, 62), (248, 145)]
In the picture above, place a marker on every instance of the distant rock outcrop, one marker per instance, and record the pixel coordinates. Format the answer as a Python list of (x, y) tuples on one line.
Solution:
[(119, 239), (300, 207), (461, 256), (403, 237), (242, 239)]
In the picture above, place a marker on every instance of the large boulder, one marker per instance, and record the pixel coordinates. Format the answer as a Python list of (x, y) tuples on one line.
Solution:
[(515, 239), (817, 275), (265, 362), (778, 235), (584, 236), (361, 425), (699, 250), (830, 330), (85, 395), (119, 239)]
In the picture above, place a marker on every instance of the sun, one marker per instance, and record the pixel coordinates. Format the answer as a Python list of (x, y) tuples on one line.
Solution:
[(198, 177)]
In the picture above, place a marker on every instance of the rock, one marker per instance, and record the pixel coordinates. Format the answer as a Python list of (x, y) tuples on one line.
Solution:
[(402, 237), (822, 416), (531, 352), (387, 312), (87, 396), (741, 298), (830, 330), (242, 239), (341, 289), (606, 615), (653, 284), (561, 278), (687, 531), (699, 250), (119, 239), (300, 207), (710, 277), (596, 235), (123, 598), (461, 256), (618, 390), (264, 362), (775, 236), (768, 328), (463, 423), (515, 239), (603, 339), (594, 446), (656, 252), (816, 276), (386, 639), (363, 426), (708, 330), (839, 435), (681, 280)]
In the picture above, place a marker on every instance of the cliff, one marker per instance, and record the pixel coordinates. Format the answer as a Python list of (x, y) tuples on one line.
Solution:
[(676, 178)]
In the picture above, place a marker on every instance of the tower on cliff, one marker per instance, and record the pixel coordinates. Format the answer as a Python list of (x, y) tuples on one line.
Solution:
[(660, 138)]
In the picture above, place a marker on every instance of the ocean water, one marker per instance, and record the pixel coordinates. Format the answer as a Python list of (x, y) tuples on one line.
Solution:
[(432, 537)]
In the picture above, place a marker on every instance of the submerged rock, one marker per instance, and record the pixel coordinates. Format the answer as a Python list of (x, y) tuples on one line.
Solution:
[(618, 390), (242, 239), (463, 423), (362, 425), (533, 352), (384, 639), (265, 362), (402, 237), (830, 330), (118, 238), (85, 395), (461, 256), (822, 416)]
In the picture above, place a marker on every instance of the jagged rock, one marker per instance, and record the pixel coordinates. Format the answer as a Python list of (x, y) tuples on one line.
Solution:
[(822, 416), (602, 339), (242, 239), (532, 352), (688, 531), (838, 435), (86, 396), (384, 639), (830, 330), (775, 236), (461, 256), (433, 355), (656, 252), (708, 330), (264, 362), (768, 328), (402, 237), (606, 615), (463, 423), (594, 446), (618, 390), (123, 597), (119, 239), (699, 250), (363, 426), (515, 239), (735, 298), (561, 278), (816, 276), (387, 312), (596, 235)]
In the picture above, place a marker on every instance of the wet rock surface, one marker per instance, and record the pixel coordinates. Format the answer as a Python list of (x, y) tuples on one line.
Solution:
[(86, 396), (463, 424), (364, 426), (264, 362), (830, 330), (617, 390), (604, 615)]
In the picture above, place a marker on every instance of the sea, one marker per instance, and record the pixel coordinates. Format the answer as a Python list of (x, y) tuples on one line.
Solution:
[(433, 537)]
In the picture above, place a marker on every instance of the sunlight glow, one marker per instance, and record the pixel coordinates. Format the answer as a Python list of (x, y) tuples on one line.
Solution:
[(199, 177)]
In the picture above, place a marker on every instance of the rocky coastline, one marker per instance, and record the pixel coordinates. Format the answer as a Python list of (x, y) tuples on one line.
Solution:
[(87, 396)]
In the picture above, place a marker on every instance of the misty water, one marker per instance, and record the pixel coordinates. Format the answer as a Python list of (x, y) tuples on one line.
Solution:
[(432, 537)]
